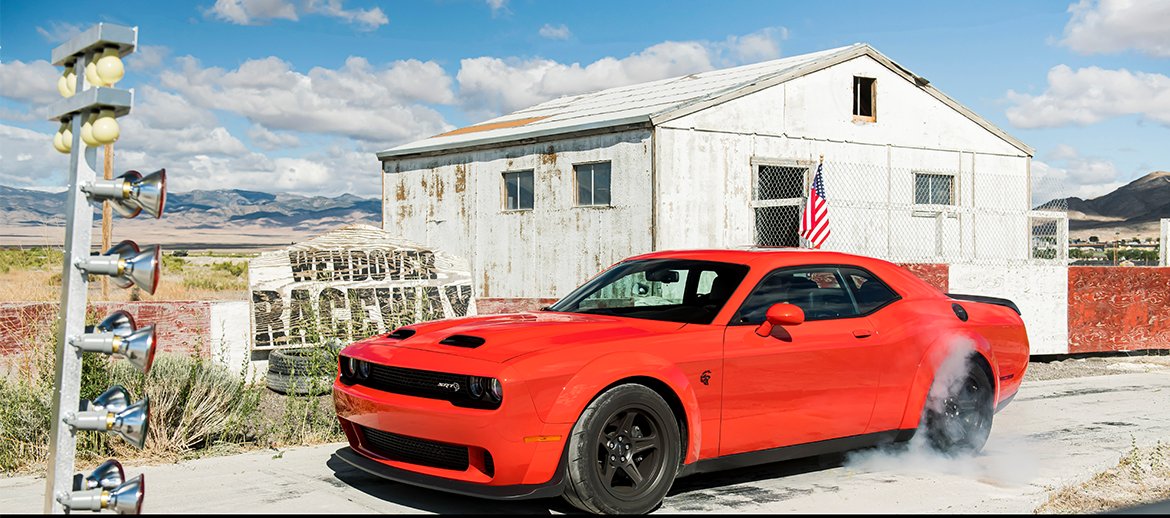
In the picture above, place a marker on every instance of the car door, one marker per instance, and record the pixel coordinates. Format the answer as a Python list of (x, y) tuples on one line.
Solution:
[(804, 383)]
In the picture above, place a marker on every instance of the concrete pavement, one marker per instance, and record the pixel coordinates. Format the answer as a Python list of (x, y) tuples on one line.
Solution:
[(1055, 432)]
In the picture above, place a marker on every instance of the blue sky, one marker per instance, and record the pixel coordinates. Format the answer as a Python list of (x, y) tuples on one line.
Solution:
[(296, 96)]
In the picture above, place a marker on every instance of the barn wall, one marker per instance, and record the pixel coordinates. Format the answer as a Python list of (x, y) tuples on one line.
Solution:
[(1040, 291), (454, 203)]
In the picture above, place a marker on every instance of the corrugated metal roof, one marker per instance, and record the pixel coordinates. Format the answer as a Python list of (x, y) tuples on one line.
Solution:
[(658, 101)]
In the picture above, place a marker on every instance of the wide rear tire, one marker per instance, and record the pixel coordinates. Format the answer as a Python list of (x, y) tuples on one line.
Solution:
[(957, 419), (623, 452)]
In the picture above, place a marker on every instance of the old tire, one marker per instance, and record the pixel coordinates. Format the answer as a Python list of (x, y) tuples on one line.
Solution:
[(307, 361), (299, 385), (957, 419), (623, 452)]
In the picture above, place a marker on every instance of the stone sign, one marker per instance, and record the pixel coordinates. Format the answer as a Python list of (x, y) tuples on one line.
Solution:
[(351, 283)]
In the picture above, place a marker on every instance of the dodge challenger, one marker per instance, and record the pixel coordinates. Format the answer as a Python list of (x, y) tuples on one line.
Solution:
[(674, 363)]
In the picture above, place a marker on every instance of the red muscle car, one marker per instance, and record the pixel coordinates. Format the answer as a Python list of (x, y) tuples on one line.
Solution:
[(674, 363)]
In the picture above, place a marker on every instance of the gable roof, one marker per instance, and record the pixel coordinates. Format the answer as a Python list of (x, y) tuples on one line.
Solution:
[(655, 102)]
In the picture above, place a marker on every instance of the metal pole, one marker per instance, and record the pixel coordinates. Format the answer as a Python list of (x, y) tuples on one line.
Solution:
[(71, 314), (107, 218)]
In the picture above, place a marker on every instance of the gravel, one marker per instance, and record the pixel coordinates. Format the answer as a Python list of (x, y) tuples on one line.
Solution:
[(1071, 367)]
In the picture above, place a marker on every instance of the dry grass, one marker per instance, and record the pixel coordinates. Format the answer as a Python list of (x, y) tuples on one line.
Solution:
[(195, 278), (1142, 476)]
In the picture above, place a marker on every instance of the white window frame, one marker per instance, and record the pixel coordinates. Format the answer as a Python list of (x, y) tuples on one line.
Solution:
[(954, 188), (504, 190), (592, 186)]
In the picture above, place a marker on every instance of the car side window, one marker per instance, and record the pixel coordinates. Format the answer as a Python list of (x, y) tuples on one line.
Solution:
[(871, 293), (819, 291)]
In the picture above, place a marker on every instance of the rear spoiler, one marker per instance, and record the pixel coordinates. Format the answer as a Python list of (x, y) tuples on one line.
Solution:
[(986, 300)]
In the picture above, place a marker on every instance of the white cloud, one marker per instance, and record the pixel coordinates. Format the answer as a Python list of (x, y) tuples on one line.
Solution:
[(1108, 26), (1091, 95), (33, 83), (269, 140), (147, 58), (490, 86), (366, 20), (555, 33), (249, 12), (358, 100), (59, 32), (253, 12), (27, 158), (498, 5), (1082, 177), (1062, 152)]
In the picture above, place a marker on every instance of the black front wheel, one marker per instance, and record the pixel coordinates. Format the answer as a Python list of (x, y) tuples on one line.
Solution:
[(623, 452), (957, 418)]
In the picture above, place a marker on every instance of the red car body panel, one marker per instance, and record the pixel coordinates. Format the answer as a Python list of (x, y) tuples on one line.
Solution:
[(736, 392)]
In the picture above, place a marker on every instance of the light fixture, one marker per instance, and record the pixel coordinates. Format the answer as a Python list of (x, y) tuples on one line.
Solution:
[(126, 498), (108, 475), (137, 347), (495, 389), (126, 265), (105, 128), (475, 387), (109, 66), (87, 131), (63, 139), (131, 192), (131, 423), (91, 74), (119, 322), (64, 86), (115, 400)]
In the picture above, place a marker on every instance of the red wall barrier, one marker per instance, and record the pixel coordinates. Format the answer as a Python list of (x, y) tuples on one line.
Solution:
[(935, 274), (1117, 308), (182, 326)]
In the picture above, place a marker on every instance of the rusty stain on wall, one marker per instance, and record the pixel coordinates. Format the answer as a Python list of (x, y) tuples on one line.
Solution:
[(1117, 308)]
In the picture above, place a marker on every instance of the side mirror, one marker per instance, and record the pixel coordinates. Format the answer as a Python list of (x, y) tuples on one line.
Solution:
[(780, 315)]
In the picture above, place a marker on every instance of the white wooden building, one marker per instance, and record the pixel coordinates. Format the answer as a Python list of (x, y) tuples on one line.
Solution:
[(541, 199)]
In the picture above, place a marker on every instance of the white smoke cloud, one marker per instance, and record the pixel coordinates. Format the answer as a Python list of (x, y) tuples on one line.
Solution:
[(1108, 26), (1091, 95)]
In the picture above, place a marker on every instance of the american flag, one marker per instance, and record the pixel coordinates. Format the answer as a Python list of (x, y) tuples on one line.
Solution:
[(814, 222)]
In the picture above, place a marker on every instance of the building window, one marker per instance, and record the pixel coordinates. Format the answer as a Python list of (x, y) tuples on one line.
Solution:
[(934, 189), (592, 183), (864, 99), (778, 194), (518, 190)]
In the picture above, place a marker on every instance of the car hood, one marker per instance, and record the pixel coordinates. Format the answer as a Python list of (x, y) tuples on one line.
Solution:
[(509, 336)]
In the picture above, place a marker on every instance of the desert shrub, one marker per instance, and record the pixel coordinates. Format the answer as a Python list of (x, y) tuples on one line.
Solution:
[(30, 259), (234, 269), (213, 279)]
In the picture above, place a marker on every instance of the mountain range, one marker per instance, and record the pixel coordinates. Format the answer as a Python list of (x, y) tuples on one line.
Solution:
[(220, 219), (1133, 209)]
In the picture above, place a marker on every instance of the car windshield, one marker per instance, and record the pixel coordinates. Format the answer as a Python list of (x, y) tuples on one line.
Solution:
[(674, 290)]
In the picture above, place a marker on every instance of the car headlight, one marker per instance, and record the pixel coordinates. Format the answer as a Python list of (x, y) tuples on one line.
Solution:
[(475, 387), (363, 369), (495, 389), (345, 364)]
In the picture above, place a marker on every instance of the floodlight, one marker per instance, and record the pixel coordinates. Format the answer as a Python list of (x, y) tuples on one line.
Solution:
[(116, 399), (109, 67), (137, 347), (130, 424), (91, 74), (63, 139), (126, 265), (108, 475), (63, 85), (126, 498), (119, 322), (131, 192), (105, 128), (87, 131)]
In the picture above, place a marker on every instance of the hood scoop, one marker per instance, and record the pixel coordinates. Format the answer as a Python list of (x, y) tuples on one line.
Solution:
[(401, 334), (467, 341)]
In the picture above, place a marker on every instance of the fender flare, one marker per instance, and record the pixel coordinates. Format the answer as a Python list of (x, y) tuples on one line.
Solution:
[(957, 341), (608, 370)]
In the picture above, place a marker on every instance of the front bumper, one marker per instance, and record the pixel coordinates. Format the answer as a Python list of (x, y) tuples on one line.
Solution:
[(516, 469), (550, 489)]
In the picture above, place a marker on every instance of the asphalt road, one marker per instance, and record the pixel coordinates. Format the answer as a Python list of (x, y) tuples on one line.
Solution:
[(1056, 432)]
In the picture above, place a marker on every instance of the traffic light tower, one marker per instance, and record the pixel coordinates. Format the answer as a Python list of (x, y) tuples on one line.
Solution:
[(92, 62)]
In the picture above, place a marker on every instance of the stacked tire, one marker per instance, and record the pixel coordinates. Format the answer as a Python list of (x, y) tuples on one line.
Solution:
[(307, 371)]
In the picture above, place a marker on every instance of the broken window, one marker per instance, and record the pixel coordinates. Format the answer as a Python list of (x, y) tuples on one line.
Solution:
[(864, 99), (592, 183), (518, 190), (934, 189), (779, 192)]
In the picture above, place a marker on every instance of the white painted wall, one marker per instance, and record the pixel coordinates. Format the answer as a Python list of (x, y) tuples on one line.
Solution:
[(231, 337), (455, 203), (1040, 291), (1163, 258)]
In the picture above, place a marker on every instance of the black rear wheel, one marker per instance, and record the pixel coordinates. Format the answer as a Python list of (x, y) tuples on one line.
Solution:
[(623, 452), (957, 419)]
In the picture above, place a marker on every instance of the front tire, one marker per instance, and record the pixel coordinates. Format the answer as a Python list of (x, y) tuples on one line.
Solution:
[(623, 452), (957, 419)]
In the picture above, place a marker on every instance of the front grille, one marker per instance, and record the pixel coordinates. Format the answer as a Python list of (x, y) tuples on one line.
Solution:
[(417, 451), (428, 384)]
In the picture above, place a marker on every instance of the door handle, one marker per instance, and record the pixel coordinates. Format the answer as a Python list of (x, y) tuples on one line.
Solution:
[(862, 333)]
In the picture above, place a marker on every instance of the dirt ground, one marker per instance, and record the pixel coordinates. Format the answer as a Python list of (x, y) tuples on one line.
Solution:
[(1095, 366)]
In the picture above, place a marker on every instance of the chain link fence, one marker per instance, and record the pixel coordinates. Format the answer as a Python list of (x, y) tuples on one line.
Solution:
[(919, 215)]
